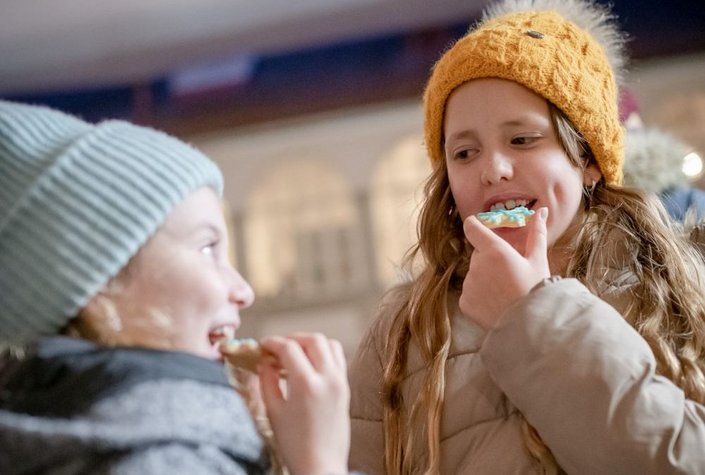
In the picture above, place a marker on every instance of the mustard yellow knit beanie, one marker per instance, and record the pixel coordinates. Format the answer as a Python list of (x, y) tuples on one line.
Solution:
[(568, 51)]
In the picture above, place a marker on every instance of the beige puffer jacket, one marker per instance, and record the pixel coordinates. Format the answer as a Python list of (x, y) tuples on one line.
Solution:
[(566, 359)]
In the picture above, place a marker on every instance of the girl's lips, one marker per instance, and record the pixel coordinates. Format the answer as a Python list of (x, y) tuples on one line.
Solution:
[(219, 334)]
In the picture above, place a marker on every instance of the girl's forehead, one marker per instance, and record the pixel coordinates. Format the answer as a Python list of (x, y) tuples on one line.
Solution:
[(201, 205), (489, 92), (494, 102)]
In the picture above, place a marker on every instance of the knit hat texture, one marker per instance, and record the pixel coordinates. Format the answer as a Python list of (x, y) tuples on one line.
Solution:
[(77, 201), (550, 55)]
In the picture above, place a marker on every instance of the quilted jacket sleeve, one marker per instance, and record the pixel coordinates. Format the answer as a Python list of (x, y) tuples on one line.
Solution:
[(586, 380)]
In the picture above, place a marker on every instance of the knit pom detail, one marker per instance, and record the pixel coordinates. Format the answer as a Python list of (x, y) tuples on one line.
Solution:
[(596, 19)]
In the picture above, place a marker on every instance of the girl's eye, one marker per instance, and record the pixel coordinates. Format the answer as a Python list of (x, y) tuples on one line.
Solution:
[(210, 248), (525, 140), (463, 154)]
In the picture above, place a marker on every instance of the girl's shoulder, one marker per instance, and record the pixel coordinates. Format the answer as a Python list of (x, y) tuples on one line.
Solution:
[(389, 308)]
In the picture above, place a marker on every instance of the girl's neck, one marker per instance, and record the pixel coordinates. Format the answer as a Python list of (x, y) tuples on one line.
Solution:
[(558, 259), (560, 254)]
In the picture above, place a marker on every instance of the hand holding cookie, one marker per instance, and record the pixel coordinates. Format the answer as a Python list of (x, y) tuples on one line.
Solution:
[(309, 411), (498, 274)]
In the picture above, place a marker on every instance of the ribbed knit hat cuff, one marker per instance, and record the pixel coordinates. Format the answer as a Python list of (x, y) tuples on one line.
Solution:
[(550, 56), (85, 216)]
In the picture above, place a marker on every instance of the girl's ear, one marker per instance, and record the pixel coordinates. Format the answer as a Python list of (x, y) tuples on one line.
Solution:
[(98, 320), (591, 174), (83, 325), (102, 305), (94, 309)]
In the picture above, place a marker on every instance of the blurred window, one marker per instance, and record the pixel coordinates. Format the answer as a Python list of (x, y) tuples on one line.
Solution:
[(302, 233), (396, 192)]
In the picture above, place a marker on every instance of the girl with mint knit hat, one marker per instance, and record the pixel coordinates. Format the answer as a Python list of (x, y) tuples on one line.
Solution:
[(116, 288)]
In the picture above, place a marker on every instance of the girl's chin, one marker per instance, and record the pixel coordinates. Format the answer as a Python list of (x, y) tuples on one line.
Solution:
[(208, 351), (212, 353)]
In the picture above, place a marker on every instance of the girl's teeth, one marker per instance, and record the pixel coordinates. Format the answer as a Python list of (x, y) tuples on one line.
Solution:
[(220, 334), (509, 204)]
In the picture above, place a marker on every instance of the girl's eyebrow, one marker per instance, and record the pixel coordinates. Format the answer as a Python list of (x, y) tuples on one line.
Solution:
[(529, 119), (523, 121), (515, 123), (207, 227), (463, 134)]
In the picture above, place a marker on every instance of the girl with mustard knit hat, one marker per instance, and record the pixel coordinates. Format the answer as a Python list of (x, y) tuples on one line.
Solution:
[(574, 342), (116, 294)]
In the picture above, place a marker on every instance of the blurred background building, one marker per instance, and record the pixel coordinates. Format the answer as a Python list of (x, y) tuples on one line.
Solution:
[(312, 109)]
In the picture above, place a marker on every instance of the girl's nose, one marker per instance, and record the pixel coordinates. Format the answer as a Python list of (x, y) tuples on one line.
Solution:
[(497, 167), (241, 292)]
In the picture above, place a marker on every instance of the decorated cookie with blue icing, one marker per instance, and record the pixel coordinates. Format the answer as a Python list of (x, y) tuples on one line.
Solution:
[(243, 353), (506, 218)]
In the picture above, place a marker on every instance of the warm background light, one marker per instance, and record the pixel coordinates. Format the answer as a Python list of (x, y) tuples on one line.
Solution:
[(692, 166)]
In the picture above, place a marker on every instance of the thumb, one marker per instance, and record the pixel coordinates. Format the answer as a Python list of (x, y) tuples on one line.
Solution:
[(537, 242), (479, 235)]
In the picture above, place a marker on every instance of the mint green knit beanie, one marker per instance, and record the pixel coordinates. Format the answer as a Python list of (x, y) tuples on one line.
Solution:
[(77, 201)]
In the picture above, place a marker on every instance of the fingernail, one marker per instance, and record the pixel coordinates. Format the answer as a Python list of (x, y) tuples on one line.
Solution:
[(543, 213)]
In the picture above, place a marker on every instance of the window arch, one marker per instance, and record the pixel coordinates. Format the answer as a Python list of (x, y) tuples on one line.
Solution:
[(397, 186), (302, 233)]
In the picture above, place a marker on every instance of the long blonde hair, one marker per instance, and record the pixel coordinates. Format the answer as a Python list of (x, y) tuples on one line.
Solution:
[(665, 305)]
